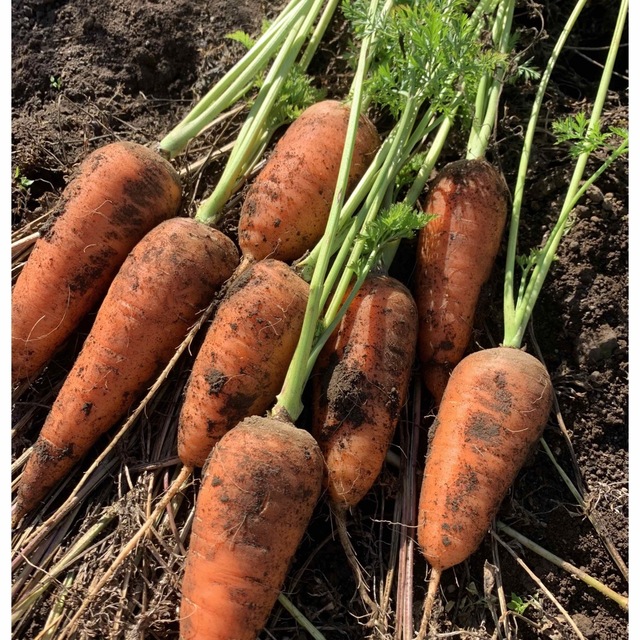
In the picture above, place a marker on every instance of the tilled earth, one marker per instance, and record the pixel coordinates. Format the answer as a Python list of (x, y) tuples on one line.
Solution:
[(87, 72)]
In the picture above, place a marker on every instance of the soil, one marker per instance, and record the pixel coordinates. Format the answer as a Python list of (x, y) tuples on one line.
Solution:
[(88, 72)]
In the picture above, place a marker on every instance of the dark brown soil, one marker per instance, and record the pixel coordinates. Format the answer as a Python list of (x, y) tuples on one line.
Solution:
[(88, 72)]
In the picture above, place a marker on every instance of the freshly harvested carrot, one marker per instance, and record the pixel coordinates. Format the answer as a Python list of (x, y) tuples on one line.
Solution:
[(258, 493), (493, 411), (242, 362), (285, 211), (360, 384), (455, 255), (121, 192), (168, 278)]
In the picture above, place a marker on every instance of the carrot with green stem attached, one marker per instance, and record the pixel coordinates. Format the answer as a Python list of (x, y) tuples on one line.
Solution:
[(360, 384), (456, 251), (240, 366), (497, 402), (285, 210), (260, 123)]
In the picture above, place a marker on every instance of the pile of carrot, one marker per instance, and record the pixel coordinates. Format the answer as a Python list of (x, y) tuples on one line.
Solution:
[(282, 320)]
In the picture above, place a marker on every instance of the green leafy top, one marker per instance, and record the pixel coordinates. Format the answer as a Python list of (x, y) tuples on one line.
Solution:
[(427, 49), (398, 222), (575, 130)]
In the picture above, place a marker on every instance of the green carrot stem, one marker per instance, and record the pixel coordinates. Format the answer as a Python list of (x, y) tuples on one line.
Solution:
[(299, 617), (514, 331), (234, 83), (318, 34), (509, 310), (431, 159), (488, 107), (289, 400), (57, 611)]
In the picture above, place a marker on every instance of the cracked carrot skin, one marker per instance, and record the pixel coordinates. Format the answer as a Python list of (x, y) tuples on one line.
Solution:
[(286, 208), (493, 412), (259, 489), (242, 363), (455, 255), (171, 275), (360, 384), (121, 191)]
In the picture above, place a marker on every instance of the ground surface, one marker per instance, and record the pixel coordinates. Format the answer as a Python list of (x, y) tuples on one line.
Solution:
[(86, 73)]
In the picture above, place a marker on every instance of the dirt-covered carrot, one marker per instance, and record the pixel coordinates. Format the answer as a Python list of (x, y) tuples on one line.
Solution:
[(121, 191), (242, 362), (285, 211), (167, 279), (360, 383), (494, 409), (455, 255), (261, 485)]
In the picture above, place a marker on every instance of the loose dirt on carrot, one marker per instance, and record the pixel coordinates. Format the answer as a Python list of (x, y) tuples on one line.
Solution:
[(88, 73)]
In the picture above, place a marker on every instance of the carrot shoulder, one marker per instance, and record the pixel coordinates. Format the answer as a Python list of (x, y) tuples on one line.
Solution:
[(455, 255), (121, 192), (493, 411), (168, 278), (242, 362), (360, 384), (287, 206), (258, 493)]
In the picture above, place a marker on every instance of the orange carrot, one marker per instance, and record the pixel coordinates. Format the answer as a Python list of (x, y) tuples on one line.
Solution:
[(286, 208), (121, 192), (360, 384), (168, 278), (456, 252), (493, 411), (242, 362), (258, 493)]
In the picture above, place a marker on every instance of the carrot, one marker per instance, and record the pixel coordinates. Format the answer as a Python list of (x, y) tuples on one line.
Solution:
[(242, 362), (493, 411), (258, 493), (168, 278), (120, 192), (285, 211), (455, 255), (360, 384)]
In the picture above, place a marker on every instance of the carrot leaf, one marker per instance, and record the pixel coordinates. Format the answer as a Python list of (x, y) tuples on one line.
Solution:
[(399, 221)]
